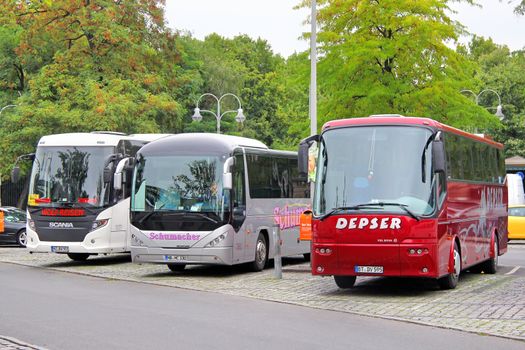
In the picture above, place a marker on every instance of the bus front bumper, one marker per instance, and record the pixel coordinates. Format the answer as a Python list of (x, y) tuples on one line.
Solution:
[(96, 242), (207, 256), (408, 260)]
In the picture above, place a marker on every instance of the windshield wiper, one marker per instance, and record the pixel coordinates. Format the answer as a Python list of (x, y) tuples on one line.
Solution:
[(340, 209), (400, 205), (178, 212), (203, 216)]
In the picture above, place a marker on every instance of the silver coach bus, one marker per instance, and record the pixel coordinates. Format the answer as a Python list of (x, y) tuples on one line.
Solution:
[(213, 199)]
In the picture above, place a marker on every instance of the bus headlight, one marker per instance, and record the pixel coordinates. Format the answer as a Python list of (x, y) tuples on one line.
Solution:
[(31, 224), (99, 223), (216, 241)]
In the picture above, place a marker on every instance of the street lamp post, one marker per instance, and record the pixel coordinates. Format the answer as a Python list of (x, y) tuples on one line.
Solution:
[(218, 116), (499, 108), (313, 70)]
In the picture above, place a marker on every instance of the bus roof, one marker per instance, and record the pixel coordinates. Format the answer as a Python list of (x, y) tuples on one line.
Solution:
[(93, 139), (189, 142), (401, 120)]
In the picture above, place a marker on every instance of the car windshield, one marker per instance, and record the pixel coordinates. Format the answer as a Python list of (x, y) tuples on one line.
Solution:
[(179, 183), (386, 165), (69, 175), (16, 215)]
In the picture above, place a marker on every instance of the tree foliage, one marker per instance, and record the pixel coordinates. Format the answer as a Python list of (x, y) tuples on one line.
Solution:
[(392, 57), (82, 65), (89, 65)]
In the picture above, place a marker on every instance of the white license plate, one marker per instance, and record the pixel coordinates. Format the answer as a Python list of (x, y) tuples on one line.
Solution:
[(59, 249), (175, 258), (368, 269)]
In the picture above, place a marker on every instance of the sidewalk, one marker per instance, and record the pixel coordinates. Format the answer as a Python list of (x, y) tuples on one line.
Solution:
[(485, 304)]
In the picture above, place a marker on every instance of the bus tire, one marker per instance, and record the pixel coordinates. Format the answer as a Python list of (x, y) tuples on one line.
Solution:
[(451, 280), (491, 266), (307, 256), (78, 256), (345, 282), (261, 253), (176, 267)]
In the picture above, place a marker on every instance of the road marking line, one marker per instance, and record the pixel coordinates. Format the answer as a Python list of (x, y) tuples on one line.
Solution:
[(513, 270)]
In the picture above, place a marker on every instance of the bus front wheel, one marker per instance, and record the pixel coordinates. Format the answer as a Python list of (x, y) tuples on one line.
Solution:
[(345, 282), (261, 253), (451, 280)]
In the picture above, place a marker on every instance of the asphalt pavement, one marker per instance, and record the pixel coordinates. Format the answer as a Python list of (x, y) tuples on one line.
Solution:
[(58, 310)]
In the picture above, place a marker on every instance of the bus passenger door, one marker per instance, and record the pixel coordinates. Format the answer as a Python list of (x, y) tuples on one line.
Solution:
[(239, 208)]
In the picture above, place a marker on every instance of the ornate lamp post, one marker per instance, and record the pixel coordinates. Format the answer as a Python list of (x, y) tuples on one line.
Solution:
[(499, 108), (218, 116)]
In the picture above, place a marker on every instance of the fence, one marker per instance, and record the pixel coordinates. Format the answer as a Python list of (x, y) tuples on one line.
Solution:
[(14, 194)]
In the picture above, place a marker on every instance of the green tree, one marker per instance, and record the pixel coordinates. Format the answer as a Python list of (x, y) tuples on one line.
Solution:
[(503, 71), (392, 57), (107, 65), (247, 68)]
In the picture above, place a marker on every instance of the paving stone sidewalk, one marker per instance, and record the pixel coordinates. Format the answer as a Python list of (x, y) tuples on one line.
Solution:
[(484, 304)]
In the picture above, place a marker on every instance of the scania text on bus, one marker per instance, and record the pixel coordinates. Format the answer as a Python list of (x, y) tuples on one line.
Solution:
[(401, 196), (214, 199)]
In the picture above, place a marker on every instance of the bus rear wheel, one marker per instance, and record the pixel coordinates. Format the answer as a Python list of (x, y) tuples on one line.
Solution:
[(261, 253), (345, 282), (491, 266), (176, 267), (78, 256), (451, 280)]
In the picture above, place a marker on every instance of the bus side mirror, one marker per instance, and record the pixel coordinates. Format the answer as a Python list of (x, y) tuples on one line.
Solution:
[(303, 154), (438, 157), (302, 160), (305, 228), (15, 174), (227, 181), (117, 181)]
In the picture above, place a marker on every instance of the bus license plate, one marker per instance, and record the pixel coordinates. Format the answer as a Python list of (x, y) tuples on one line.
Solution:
[(368, 269), (174, 257), (59, 249)]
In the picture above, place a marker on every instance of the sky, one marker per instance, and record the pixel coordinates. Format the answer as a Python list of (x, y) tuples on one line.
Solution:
[(277, 22)]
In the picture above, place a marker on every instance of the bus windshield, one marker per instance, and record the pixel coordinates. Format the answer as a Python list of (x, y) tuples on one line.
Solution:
[(388, 167), (179, 183), (69, 175)]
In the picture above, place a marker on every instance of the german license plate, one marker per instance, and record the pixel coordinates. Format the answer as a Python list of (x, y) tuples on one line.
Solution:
[(368, 269), (175, 258), (59, 249)]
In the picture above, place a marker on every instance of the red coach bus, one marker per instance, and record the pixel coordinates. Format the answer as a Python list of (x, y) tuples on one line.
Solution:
[(403, 196)]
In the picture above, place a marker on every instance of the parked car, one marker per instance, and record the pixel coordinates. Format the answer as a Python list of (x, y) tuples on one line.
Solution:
[(516, 222), (14, 226)]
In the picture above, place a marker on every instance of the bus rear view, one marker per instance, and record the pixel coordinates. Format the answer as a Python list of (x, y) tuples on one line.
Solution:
[(398, 196)]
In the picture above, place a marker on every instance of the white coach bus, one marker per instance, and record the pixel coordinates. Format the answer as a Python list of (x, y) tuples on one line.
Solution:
[(72, 206), (214, 199)]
